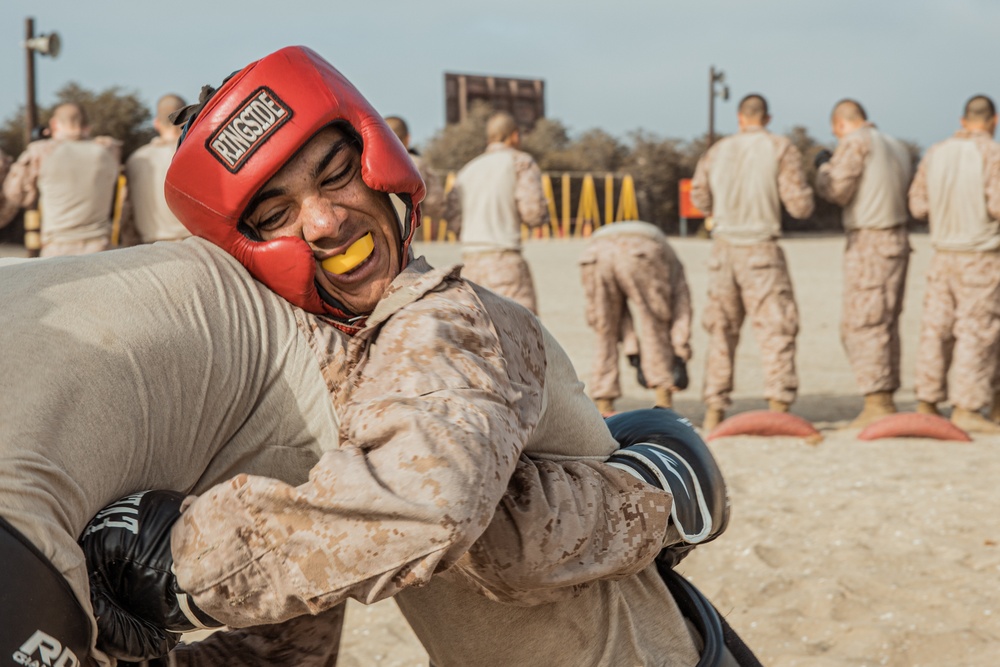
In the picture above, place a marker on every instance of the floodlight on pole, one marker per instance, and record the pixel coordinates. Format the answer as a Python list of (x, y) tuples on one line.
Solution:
[(715, 77), (47, 45)]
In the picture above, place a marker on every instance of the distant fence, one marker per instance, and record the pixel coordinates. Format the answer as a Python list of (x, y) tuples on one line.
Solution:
[(577, 206)]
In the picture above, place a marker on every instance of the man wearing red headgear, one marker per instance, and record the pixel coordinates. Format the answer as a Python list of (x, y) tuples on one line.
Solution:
[(440, 389)]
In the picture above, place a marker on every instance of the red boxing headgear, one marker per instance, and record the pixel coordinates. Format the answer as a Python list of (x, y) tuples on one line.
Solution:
[(247, 131)]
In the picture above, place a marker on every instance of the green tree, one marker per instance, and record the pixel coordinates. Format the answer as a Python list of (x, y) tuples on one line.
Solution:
[(826, 215), (656, 164), (456, 144), (548, 137)]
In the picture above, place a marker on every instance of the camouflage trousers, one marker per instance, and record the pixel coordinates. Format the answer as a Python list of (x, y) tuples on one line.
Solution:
[(58, 248), (960, 329), (875, 265), (621, 273), (504, 272), (750, 280)]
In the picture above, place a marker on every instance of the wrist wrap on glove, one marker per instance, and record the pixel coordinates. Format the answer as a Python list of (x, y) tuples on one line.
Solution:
[(140, 608)]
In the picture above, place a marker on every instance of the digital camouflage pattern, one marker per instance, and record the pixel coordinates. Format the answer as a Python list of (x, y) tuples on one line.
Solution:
[(918, 196), (960, 323), (505, 272), (625, 270), (793, 189), (493, 196), (439, 398), (750, 280), (960, 329), (875, 260), (875, 266)]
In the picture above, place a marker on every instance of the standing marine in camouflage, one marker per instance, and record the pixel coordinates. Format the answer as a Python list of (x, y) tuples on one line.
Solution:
[(439, 387), (72, 181), (868, 175), (741, 182), (145, 215), (494, 195), (957, 189), (630, 266)]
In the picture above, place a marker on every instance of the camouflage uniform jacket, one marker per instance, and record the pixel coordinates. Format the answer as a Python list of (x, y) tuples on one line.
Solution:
[(493, 196), (868, 176), (438, 397), (990, 150), (792, 188)]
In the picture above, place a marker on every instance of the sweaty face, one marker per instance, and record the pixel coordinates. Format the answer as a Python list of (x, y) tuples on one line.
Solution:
[(319, 196)]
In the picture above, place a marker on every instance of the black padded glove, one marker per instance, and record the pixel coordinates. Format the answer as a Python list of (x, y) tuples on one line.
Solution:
[(680, 372), (662, 448), (140, 608), (635, 362), (822, 158)]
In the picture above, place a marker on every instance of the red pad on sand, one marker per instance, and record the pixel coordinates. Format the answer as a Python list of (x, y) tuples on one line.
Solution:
[(768, 423), (913, 425)]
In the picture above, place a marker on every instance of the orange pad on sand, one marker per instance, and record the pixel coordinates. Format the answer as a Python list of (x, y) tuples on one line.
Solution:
[(913, 425), (768, 423)]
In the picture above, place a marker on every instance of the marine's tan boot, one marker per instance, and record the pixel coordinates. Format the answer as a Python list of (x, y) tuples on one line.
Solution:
[(877, 405), (605, 406), (777, 406), (995, 409), (927, 408), (972, 421), (712, 418), (664, 398)]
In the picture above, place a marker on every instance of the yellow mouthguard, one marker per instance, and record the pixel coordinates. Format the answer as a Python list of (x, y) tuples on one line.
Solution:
[(357, 253)]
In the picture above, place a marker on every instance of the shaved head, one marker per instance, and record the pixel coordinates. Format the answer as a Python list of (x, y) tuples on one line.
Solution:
[(68, 121), (166, 105), (70, 113), (399, 128), (500, 127), (753, 107), (980, 109), (849, 110)]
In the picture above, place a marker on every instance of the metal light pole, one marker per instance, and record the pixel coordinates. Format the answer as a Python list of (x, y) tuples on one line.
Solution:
[(715, 77), (47, 45)]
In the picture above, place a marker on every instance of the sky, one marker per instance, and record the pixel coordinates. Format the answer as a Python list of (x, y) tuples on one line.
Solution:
[(617, 65)]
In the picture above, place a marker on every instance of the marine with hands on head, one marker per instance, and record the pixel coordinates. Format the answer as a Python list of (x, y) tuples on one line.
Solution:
[(460, 419)]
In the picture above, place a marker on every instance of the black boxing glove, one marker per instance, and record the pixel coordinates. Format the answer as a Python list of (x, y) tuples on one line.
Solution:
[(636, 363), (679, 370), (661, 448), (822, 158), (140, 608)]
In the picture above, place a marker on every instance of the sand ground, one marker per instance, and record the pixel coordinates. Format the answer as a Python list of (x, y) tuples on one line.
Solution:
[(848, 553)]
